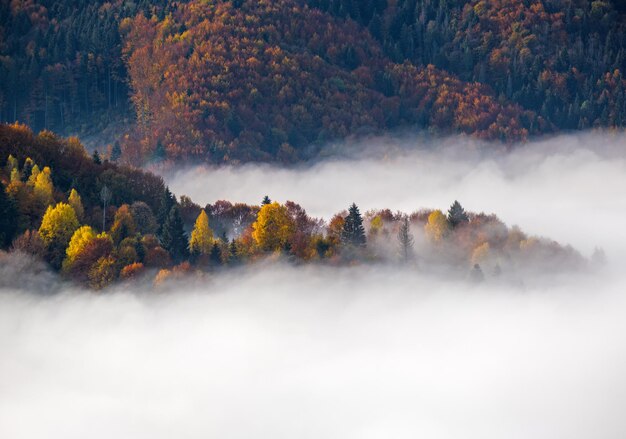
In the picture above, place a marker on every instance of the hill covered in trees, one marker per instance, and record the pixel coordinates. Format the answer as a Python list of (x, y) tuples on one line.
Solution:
[(96, 222), (233, 81)]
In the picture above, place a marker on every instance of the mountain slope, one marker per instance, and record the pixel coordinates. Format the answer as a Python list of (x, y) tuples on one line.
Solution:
[(271, 80)]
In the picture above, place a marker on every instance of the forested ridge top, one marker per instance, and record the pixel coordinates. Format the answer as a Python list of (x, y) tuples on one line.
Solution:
[(96, 222), (234, 81)]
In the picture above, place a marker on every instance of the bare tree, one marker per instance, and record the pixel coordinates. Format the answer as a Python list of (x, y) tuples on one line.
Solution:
[(405, 238)]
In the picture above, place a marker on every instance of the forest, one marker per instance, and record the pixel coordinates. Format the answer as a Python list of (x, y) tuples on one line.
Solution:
[(96, 222), (238, 81)]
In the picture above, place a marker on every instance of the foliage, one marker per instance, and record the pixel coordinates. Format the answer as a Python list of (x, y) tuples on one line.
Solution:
[(437, 226), (273, 228), (58, 224), (76, 202), (201, 236)]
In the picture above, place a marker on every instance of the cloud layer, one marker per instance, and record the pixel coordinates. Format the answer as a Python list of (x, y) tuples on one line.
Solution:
[(279, 351)]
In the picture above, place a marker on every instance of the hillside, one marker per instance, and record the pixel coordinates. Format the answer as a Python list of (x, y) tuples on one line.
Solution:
[(96, 222), (235, 81)]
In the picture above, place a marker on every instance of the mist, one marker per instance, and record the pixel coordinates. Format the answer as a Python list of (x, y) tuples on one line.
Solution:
[(282, 351)]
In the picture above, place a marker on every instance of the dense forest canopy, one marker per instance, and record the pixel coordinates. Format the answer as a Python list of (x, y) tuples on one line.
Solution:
[(241, 80)]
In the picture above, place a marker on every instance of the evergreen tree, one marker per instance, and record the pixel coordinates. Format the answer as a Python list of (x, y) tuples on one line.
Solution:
[(216, 254), (8, 218), (233, 252), (116, 152), (266, 200), (353, 233), (167, 202), (173, 237), (96, 157), (405, 238), (457, 215), (159, 154)]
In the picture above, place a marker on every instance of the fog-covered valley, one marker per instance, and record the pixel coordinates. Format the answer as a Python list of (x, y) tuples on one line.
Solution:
[(283, 350)]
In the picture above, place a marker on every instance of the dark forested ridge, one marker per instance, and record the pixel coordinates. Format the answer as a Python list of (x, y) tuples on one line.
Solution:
[(233, 81)]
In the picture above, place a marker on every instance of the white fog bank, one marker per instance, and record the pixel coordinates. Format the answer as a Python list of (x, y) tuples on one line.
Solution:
[(284, 352), (568, 188), (279, 351)]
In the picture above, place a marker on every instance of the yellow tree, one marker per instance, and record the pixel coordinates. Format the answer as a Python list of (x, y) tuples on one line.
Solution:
[(33, 175), (57, 227), (273, 228), (43, 187), (76, 202), (15, 176), (437, 226), (78, 242), (11, 164), (201, 239), (58, 224)]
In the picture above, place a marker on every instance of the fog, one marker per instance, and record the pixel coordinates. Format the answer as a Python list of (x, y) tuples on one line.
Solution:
[(282, 351)]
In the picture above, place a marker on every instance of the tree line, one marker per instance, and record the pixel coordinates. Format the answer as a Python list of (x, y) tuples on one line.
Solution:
[(96, 237)]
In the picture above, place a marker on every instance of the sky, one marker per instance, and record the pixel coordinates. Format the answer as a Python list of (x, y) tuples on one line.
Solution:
[(283, 351)]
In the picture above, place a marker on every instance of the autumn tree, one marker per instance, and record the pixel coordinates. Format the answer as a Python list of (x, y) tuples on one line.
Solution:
[(201, 236), (144, 218), (353, 233), (437, 226), (57, 227), (273, 228), (80, 239), (457, 215), (43, 187), (405, 239), (173, 237), (123, 224), (30, 243), (76, 202)]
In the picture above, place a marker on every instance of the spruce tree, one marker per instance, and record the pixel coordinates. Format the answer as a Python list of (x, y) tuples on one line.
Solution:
[(216, 254), (353, 233), (233, 252), (8, 218), (457, 215), (173, 237), (96, 157), (167, 202), (266, 200)]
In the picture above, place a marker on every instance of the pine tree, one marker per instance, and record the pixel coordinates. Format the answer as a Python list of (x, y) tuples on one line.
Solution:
[(266, 200), (96, 157), (405, 238), (8, 218), (353, 233), (173, 237), (457, 215)]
